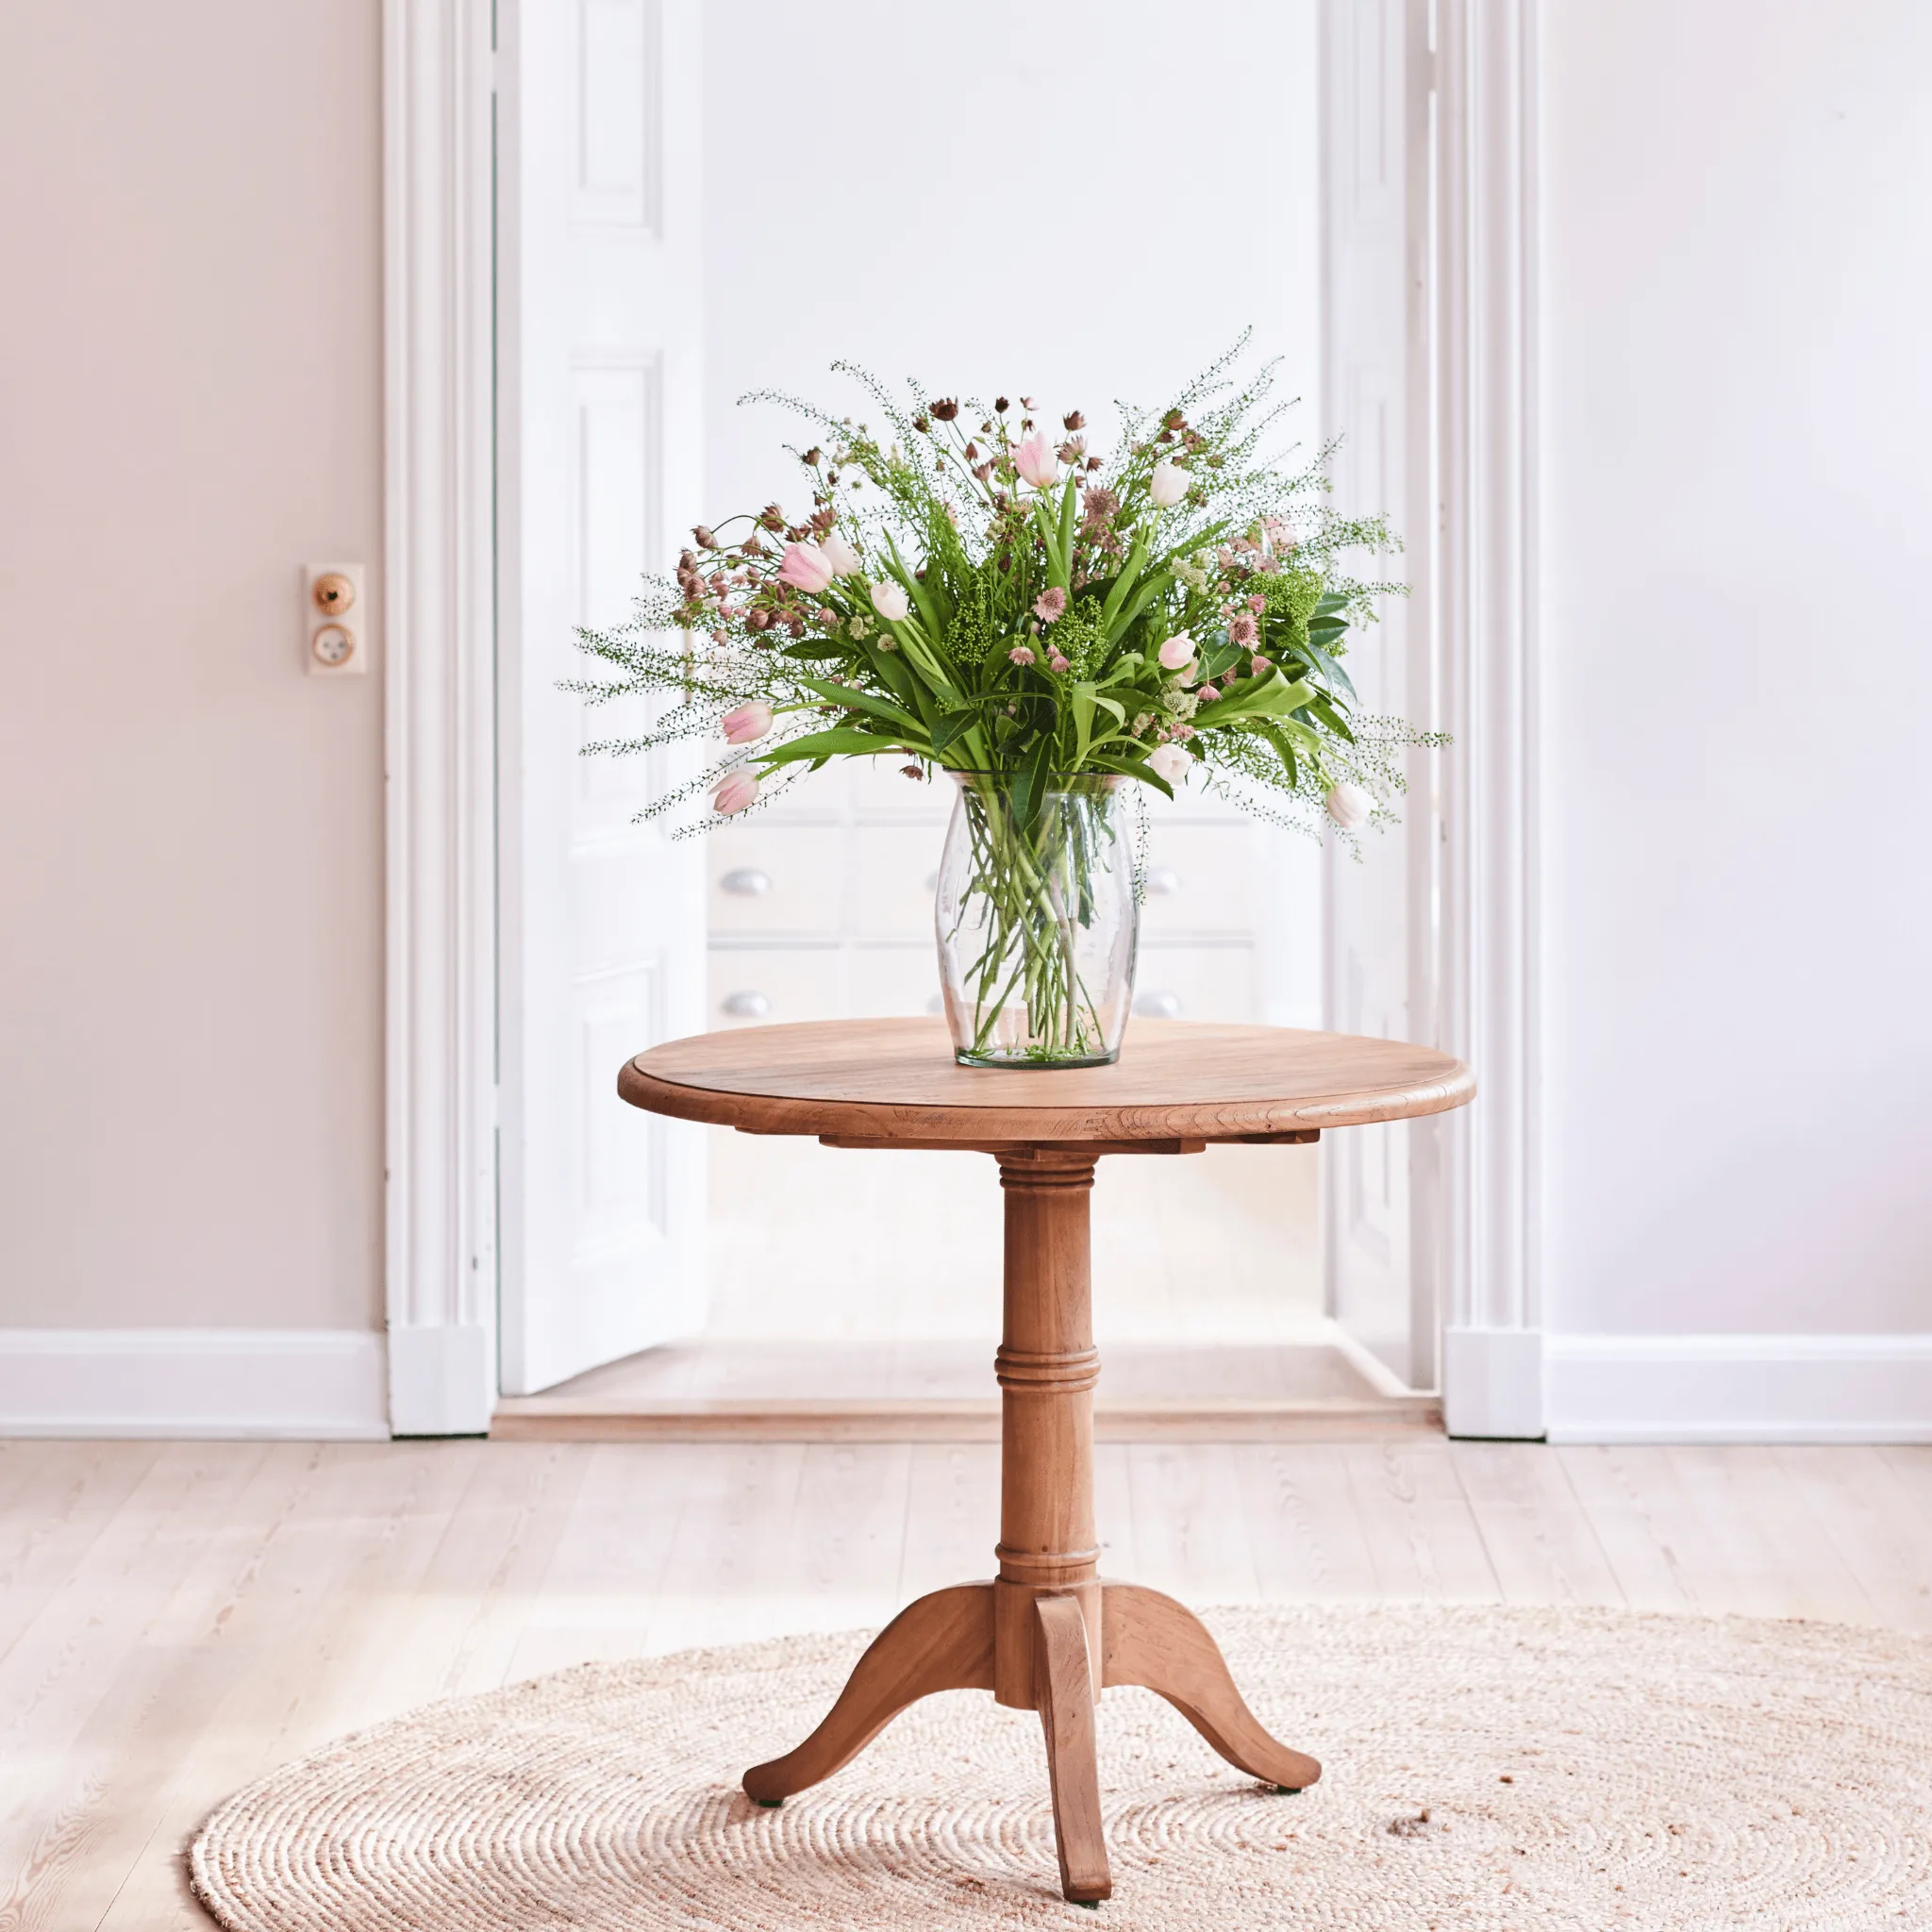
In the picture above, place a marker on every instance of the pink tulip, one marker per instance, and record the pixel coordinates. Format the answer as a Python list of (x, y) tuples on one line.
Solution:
[(1033, 458), (738, 790), (890, 602), (806, 568), (748, 722), (1177, 651), (1169, 761)]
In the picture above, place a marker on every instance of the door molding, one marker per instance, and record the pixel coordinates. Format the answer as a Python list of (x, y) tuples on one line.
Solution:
[(440, 702), (1486, 421)]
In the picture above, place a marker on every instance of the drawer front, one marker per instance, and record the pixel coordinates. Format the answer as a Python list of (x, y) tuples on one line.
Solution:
[(895, 982), (1197, 983), (763, 986), (1199, 879), (777, 878), (895, 871)]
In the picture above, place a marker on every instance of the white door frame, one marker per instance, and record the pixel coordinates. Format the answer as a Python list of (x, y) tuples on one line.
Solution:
[(439, 93)]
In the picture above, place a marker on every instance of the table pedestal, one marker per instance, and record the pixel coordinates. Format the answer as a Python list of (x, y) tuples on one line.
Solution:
[(1046, 1634)]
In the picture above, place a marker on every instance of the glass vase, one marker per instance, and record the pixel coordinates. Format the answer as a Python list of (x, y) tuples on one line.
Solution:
[(1038, 920)]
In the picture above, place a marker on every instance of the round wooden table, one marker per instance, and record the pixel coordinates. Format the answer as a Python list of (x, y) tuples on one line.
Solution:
[(1046, 1634)]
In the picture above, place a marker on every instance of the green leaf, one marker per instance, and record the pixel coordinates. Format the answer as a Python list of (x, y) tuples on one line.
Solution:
[(1029, 783), (1321, 710), (863, 701), (815, 648), (1066, 556), (1133, 768), (842, 739), (1083, 698), (1124, 582), (1329, 603), (951, 728), (1283, 749), (1328, 667)]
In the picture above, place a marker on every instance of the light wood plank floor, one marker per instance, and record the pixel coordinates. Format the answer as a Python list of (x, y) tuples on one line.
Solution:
[(176, 1618)]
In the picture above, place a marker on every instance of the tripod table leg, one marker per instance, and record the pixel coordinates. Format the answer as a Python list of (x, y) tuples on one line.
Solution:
[(943, 1641), (1063, 1681), (1154, 1641)]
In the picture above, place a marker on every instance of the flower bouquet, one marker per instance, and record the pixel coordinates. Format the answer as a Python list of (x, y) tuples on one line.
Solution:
[(1055, 627)]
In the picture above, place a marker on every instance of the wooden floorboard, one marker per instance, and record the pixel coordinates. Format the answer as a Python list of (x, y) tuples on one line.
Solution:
[(177, 1618)]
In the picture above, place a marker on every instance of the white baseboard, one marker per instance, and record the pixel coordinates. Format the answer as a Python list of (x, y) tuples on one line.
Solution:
[(260, 1383), (1493, 1383), (441, 1379), (1739, 1387)]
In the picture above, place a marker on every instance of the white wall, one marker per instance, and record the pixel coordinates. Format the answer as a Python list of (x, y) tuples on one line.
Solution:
[(1011, 195), (1737, 673), (189, 827)]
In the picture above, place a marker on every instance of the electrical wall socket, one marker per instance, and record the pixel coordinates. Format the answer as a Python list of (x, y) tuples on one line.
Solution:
[(336, 620)]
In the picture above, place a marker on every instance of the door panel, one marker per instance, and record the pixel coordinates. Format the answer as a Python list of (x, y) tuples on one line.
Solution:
[(599, 466), (1375, 385)]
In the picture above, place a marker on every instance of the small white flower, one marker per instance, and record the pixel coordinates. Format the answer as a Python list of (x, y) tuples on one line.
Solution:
[(1170, 761), (890, 602), (1351, 806), (1168, 485)]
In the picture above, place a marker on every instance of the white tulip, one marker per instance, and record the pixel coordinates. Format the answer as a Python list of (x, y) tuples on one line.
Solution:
[(839, 555), (890, 602), (1169, 761), (1168, 485), (1351, 806)]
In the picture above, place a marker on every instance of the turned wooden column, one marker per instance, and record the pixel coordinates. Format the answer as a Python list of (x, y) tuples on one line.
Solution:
[(1047, 1366)]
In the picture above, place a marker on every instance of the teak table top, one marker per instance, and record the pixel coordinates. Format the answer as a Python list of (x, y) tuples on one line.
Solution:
[(1175, 1080)]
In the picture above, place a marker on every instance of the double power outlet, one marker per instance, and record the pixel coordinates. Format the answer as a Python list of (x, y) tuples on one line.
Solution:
[(335, 620)]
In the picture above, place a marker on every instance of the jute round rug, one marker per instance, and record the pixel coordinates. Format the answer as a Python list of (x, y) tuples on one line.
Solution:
[(1487, 1770)]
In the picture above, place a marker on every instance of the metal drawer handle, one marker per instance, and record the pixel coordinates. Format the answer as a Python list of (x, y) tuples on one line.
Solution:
[(1163, 882), (1158, 1006), (746, 882), (745, 1006)]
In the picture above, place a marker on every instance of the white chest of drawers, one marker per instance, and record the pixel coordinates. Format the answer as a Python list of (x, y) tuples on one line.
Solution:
[(821, 907)]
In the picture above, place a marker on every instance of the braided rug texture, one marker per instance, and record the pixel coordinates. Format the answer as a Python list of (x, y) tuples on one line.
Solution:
[(1485, 1771)]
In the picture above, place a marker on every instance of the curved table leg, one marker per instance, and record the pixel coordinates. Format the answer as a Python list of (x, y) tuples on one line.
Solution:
[(940, 1642), (1063, 1681), (1151, 1640)]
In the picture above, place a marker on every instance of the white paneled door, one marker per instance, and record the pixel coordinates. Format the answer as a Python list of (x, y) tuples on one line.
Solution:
[(1382, 1207), (599, 468)]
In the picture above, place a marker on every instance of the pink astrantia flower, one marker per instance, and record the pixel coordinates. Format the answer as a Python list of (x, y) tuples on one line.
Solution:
[(737, 791), (1257, 604), (1243, 630), (1060, 666), (748, 722), (1207, 694), (1178, 650), (806, 568), (1257, 667), (1020, 655), (1033, 458), (1049, 604)]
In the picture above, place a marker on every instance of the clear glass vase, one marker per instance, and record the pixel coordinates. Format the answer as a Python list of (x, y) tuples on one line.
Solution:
[(1038, 921)]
